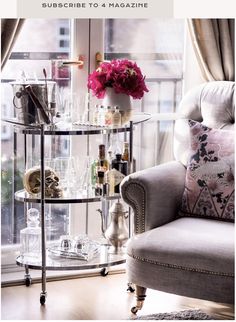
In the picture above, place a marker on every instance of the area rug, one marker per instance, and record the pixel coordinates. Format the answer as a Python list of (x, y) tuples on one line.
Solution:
[(181, 315)]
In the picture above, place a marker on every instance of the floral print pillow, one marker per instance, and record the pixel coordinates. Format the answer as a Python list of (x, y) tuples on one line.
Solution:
[(209, 185)]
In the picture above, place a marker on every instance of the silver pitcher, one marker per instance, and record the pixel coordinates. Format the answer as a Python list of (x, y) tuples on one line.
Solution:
[(117, 232)]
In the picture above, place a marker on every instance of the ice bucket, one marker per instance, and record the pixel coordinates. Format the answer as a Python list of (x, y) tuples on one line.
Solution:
[(34, 101)]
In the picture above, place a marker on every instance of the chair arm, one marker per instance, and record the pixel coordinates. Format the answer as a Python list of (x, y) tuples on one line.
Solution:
[(154, 194)]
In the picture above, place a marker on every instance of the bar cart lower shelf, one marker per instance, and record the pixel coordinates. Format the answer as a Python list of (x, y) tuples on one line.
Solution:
[(103, 259)]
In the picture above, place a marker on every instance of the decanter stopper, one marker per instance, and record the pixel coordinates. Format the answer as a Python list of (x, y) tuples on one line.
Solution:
[(33, 217)]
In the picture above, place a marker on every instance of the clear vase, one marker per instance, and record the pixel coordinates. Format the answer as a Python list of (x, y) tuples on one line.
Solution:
[(113, 99)]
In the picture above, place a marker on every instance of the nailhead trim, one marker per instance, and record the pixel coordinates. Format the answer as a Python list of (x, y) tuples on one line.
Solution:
[(181, 267), (130, 189)]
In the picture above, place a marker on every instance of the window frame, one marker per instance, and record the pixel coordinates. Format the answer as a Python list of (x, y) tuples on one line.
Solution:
[(9, 252)]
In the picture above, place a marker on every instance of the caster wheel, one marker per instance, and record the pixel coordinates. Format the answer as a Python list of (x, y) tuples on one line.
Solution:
[(104, 272), (28, 281), (42, 299), (134, 309)]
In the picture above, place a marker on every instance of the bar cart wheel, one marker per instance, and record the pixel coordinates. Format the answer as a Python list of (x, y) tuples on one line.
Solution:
[(42, 298), (104, 272), (134, 309), (28, 281)]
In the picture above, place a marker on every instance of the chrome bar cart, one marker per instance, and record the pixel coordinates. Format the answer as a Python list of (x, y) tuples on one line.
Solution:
[(104, 259)]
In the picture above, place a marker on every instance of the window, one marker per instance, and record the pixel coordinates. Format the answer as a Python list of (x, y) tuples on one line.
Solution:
[(36, 48), (157, 47)]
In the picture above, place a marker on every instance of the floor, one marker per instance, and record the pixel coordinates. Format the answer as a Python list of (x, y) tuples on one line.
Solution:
[(95, 298)]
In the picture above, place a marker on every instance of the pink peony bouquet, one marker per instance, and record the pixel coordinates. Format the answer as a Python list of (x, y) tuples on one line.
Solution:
[(122, 75)]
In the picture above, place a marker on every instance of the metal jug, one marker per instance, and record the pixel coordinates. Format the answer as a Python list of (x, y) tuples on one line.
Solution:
[(117, 231)]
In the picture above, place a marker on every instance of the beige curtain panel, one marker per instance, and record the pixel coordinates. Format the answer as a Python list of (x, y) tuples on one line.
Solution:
[(10, 29), (213, 42)]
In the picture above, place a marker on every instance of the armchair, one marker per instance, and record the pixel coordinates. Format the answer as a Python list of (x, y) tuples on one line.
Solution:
[(188, 256)]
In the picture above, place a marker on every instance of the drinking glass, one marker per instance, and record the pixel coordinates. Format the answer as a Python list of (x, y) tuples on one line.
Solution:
[(80, 243), (64, 104), (72, 176), (65, 242), (61, 168)]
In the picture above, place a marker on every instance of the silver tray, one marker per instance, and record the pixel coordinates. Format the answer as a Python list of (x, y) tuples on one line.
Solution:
[(92, 251)]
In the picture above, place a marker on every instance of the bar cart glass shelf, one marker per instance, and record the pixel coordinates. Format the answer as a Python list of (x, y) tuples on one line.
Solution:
[(24, 196), (103, 259)]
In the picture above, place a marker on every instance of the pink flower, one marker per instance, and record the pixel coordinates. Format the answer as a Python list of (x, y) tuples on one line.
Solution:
[(123, 75)]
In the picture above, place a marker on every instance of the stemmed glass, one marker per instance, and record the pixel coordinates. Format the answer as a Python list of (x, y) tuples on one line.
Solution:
[(67, 170), (85, 184), (64, 104)]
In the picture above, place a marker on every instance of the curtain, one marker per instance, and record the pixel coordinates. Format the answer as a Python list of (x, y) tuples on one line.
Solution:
[(213, 43), (10, 29)]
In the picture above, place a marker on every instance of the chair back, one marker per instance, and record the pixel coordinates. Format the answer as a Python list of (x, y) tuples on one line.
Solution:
[(211, 103)]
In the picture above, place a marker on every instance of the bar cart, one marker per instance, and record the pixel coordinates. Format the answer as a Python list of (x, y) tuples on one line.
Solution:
[(104, 258)]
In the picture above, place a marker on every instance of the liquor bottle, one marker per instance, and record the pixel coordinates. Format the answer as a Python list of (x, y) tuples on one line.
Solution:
[(93, 173), (101, 116), (101, 164), (95, 115), (108, 116), (120, 170), (120, 165), (30, 237), (115, 145), (109, 158), (113, 179), (99, 183), (102, 161), (125, 154), (116, 117)]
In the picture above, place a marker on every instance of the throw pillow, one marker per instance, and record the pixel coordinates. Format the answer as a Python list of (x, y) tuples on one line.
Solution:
[(209, 185)]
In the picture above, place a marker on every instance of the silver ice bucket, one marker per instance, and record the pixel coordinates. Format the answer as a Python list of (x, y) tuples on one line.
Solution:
[(34, 101)]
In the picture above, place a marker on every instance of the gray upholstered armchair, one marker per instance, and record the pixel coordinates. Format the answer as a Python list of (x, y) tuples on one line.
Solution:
[(188, 256)]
